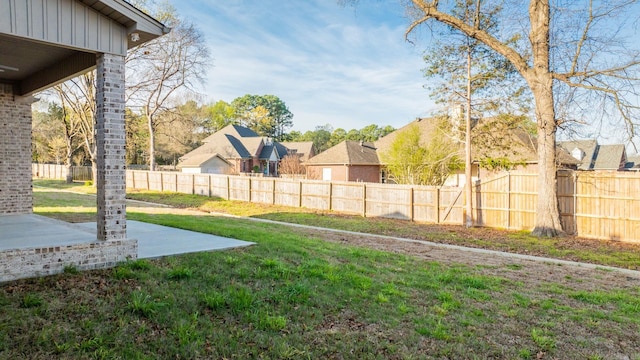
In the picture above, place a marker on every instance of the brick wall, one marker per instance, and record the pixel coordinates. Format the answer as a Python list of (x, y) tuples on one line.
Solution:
[(110, 141), (364, 173), (34, 262), (338, 172), (15, 153)]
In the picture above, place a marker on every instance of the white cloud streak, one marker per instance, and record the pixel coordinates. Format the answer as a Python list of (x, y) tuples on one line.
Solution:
[(330, 64)]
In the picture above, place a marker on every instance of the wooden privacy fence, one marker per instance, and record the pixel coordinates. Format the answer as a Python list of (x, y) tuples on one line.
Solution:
[(53, 171), (600, 205), (419, 203)]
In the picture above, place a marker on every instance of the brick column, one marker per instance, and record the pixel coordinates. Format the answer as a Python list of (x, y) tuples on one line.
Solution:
[(15, 152), (110, 141)]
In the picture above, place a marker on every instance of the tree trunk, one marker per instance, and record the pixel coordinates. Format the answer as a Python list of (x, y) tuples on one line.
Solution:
[(468, 221), (547, 212), (94, 171), (68, 162), (152, 146), (541, 83)]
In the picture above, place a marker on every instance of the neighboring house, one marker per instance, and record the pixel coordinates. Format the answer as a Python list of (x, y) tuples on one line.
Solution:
[(236, 149), (591, 156), (351, 161), (633, 162), (346, 161)]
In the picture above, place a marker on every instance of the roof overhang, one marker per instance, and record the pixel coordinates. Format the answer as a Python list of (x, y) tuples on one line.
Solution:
[(46, 42)]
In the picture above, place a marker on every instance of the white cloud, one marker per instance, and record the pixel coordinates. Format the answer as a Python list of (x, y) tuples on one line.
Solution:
[(326, 63)]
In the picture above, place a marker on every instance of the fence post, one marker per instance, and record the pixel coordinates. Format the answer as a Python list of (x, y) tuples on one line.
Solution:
[(161, 182), (148, 187), (364, 200), (575, 202), (509, 200), (228, 187), (411, 201), (300, 194), (210, 186), (437, 205), (175, 178), (330, 195), (273, 194), (249, 188), (193, 184)]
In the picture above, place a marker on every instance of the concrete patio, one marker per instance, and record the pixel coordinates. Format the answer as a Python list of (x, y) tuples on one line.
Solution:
[(24, 236)]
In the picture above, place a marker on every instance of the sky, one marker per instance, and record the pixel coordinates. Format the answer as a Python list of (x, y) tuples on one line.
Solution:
[(347, 66)]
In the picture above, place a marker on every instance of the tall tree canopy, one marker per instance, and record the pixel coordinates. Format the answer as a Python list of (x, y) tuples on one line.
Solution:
[(219, 115), (575, 55), (265, 114), (326, 136)]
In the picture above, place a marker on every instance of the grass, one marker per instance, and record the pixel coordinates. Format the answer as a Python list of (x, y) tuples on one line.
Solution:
[(606, 253), (294, 296)]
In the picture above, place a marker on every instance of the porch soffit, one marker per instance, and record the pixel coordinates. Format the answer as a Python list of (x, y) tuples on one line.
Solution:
[(45, 42)]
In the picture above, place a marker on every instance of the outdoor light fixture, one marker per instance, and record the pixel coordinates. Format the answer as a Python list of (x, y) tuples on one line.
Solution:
[(135, 37), (5, 68)]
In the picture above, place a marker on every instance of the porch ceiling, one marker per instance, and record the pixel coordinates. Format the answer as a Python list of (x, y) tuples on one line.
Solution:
[(38, 47), (27, 57)]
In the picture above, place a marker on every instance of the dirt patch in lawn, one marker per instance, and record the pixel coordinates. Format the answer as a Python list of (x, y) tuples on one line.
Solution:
[(529, 271)]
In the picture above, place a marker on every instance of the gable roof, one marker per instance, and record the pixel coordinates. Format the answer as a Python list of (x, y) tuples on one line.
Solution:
[(347, 153), (586, 147), (633, 162), (426, 125), (304, 149), (200, 159), (595, 156), (233, 130), (232, 142), (266, 152), (610, 157)]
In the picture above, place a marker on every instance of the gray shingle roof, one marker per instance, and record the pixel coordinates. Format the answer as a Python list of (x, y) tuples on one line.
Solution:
[(596, 157), (233, 142), (233, 130), (633, 161), (265, 154), (588, 148), (610, 157)]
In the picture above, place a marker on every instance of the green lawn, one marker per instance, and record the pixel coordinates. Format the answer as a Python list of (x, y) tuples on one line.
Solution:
[(611, 253), (295, 296)]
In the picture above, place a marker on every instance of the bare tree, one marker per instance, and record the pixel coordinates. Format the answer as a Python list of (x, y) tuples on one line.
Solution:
[(573, 51), (291, 165), (78, 98), (162, 69), (55, 136)]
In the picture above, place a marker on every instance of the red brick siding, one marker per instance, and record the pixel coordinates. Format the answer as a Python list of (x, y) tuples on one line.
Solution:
[(364, 173)]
